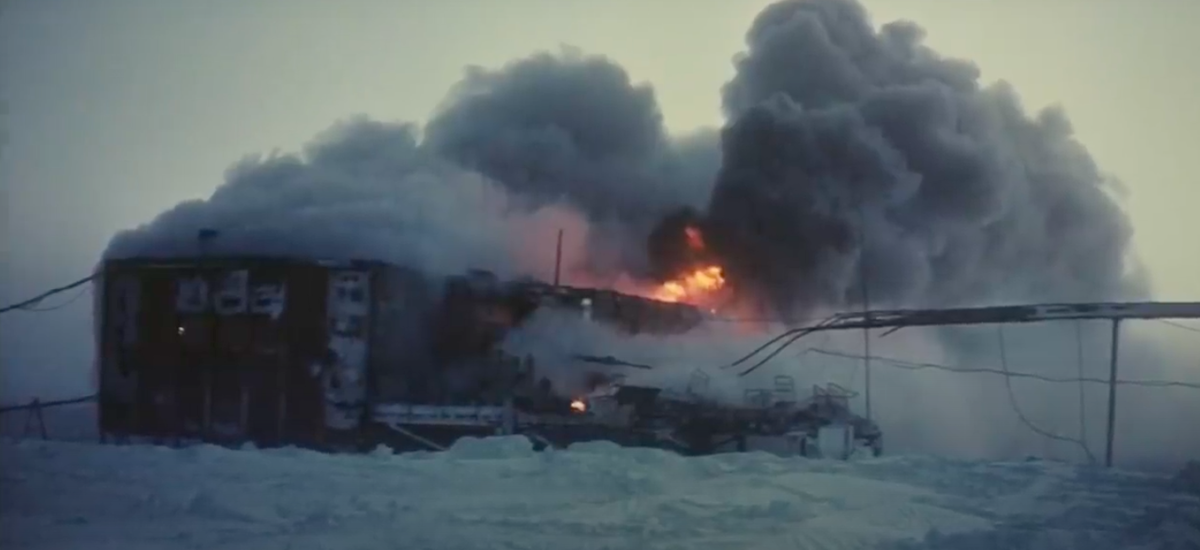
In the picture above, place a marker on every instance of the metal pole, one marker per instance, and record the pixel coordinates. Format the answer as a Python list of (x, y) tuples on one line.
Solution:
[(866, 297), (509, 425), (206, 418), (1112, 393), (281, 392), (867, 369), (558, 257), (1082, 391), (244, 409)]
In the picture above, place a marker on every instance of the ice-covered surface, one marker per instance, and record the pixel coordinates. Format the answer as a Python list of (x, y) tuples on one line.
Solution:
[(498, 493)]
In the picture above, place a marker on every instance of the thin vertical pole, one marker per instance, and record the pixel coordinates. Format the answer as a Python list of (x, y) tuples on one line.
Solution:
[(1082, 390), (206, 418), (1112, 393), (558, 257), (866, 298), (282, 383), (867, 369), (509, 426), (244, 410)]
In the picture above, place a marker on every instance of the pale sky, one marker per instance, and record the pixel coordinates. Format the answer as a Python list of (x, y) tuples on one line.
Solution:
[(118, 109)]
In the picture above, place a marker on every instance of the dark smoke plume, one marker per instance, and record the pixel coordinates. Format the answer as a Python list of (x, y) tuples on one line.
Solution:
[(846, 150), (848, 145), (565, 126), (573, 128), (511, 156)]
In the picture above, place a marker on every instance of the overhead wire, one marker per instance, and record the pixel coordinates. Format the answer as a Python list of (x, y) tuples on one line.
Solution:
[(770, 320), (793, 336), (790, 336), (1008, 375), (1178, 325), (31, 309), (764, 346), (786, 343), (787, 337), (26, 304), (1016, 407), (915, 366), (37, 404)]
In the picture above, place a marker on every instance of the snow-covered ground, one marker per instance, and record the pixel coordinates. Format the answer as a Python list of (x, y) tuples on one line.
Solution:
[(498, 493)]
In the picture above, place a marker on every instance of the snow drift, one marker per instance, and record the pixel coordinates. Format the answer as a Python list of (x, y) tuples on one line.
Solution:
[(60, 496)]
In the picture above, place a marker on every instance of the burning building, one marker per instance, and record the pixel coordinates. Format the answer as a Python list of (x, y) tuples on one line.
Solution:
[(349, 354), (277, 350)]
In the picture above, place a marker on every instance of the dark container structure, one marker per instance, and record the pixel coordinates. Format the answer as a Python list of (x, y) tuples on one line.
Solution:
[(284, 351), (232, 349)]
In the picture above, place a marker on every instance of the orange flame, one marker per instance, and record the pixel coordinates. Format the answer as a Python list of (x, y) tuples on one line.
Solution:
[(692, 286), (578, 406), (696, 284)]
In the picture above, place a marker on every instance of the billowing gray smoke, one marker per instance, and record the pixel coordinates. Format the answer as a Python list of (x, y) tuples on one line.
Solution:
[(848, 145), (364, 190), (574, 128), (567, 126), (511, 156), (843, 145)]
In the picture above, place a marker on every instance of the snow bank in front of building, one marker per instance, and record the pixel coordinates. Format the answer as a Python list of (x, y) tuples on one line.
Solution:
[(499, 493)]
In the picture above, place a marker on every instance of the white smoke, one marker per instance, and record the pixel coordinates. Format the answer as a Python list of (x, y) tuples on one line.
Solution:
[(362, 190)]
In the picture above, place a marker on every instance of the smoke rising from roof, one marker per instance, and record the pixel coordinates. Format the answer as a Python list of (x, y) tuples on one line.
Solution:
[(846, 149), (853, 150), (362, 190), (568, 126), (548, 142), (574, 129)]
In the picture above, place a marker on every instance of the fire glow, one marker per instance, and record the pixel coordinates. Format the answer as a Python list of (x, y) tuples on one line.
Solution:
[(578, 406), (692, 286), (698, 284)]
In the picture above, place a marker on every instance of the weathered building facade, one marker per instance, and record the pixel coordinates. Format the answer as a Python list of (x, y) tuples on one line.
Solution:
[(287, 351)]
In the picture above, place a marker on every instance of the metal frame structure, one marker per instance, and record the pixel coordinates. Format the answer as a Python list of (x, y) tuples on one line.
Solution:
[(1033, 313)]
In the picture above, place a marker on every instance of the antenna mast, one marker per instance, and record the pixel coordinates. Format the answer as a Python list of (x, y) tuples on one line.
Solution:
[(558, 257)]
